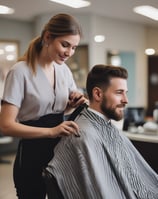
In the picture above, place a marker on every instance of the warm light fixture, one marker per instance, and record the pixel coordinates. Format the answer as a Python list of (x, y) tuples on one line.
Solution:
[(149, 51), (10, 57), (73, 3), (6, 10), (10, 48), (7, 52), (147, 11), (99, 38)]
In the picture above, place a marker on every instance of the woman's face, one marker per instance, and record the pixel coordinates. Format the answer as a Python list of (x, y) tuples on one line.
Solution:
[(61, 48)]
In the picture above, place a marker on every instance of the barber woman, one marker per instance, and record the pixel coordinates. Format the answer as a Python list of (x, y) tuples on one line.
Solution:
[(39, 88)]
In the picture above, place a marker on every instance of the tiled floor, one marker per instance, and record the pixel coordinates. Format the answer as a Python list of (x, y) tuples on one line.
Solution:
[(7, 190)]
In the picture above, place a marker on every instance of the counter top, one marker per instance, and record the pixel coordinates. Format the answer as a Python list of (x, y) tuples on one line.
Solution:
[(153, 138)]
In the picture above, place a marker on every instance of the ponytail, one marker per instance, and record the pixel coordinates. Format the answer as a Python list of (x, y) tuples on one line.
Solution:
[(32, 53)]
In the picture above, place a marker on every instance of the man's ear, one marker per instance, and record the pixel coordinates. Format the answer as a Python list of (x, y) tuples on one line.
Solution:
[(97, 94)]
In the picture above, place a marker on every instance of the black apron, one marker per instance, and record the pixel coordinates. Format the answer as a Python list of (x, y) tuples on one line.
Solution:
[(32, 157)]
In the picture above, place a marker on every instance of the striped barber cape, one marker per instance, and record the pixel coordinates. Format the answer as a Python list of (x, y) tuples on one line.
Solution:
[(101, 164)]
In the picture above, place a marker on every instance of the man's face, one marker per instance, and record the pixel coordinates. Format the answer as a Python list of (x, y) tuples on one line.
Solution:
[(114, 99)]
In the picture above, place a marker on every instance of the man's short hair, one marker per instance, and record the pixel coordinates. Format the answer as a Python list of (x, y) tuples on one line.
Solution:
[(100, 75)]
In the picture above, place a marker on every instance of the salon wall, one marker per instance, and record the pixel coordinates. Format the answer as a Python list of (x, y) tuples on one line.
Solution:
[(16, 30), (120, 35)]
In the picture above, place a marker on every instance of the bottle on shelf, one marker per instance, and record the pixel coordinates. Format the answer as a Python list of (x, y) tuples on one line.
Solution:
[(155, 112)]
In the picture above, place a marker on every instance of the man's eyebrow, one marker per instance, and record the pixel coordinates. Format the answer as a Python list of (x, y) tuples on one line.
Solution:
[(121, 90)]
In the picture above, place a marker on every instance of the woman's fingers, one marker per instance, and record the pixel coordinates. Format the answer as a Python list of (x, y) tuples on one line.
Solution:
[(77, 99), (67, 128)]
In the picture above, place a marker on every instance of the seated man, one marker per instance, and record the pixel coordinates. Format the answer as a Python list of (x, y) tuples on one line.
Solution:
[(102, 163)]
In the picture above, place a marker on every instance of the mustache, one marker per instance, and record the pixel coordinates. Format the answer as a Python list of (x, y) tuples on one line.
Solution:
[(123, 105)]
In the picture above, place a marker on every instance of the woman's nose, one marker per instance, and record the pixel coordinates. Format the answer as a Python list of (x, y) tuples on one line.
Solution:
[(69, 52)]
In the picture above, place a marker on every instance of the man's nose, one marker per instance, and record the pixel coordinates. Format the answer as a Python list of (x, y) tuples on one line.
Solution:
[(125, 99)]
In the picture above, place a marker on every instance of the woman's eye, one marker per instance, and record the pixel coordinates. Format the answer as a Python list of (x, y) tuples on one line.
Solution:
[(64, 44), (74, 48)]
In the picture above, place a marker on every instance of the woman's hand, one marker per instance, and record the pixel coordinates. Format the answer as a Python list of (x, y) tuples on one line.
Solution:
[(64, 129), (10, 127), (76, 99)]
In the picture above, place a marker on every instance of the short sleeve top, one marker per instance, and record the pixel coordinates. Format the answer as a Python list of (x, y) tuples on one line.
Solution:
[(33, 94)]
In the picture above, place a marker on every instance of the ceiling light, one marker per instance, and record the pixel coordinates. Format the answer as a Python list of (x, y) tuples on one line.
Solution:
[(99, 38), (6, 10), (149, 51), (147, 11), (116, 60), (73, 3), (10, 57), (10, 48)]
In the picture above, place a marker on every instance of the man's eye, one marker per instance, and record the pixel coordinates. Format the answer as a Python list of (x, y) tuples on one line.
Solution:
[(119, 92)]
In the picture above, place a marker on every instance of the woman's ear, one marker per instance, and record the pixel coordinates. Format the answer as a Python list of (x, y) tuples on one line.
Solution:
[(97, 94), (47, 37)]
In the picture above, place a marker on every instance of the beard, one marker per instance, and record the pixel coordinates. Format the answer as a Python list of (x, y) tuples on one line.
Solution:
[(111, 112)]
